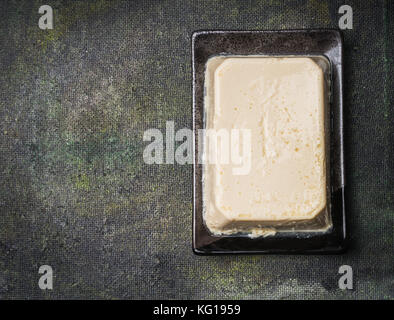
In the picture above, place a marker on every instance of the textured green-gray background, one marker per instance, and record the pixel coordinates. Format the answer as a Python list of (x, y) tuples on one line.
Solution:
[(76, 194)]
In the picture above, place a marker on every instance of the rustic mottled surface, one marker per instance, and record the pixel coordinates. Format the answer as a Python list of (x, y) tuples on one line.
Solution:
[(75, 193)]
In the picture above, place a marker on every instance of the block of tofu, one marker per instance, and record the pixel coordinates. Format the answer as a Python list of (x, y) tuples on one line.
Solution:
[(281, 102)]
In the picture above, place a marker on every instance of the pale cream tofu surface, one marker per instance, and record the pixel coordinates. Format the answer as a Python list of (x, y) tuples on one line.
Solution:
[(281, 102)]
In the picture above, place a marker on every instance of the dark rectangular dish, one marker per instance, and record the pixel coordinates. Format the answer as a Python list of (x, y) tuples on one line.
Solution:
[(326, 43)]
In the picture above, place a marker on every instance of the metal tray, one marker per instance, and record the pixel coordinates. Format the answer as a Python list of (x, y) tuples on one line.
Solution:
[(311, 43)]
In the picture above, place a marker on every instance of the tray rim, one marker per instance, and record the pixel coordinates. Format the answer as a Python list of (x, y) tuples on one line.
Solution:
[(336, 242)]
